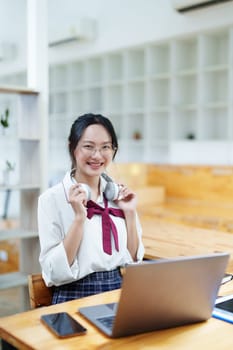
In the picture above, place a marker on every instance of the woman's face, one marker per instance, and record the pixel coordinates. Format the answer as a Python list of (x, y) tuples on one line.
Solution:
[(94, 151)]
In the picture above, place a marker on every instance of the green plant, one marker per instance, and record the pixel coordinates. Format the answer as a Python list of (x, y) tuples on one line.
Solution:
[(10, 166), (5, 119)]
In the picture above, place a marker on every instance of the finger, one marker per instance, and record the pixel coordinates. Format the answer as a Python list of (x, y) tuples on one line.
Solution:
[(124, 192)]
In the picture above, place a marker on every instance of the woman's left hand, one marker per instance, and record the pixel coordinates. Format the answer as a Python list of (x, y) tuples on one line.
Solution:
[(127, 199)]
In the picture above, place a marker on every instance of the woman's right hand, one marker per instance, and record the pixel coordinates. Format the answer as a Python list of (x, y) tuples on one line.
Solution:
[(72, 240), (78, 200)]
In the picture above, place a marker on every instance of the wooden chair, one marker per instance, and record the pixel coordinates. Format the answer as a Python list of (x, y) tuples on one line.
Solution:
[(39, 293)]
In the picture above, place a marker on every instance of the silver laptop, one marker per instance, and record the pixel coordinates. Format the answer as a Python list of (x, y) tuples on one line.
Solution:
[(161, 294)]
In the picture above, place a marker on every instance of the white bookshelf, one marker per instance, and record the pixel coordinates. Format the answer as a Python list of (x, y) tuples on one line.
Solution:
[(178, 90), (173, 91), (26, 123)]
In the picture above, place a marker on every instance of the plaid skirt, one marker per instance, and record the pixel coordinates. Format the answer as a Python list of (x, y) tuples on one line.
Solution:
[(96, 282)]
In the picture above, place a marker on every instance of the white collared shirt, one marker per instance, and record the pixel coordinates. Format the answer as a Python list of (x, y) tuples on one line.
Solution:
[(55, 216)]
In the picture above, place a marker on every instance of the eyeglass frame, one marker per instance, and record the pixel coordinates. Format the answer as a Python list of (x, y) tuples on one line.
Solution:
[(92, 149)]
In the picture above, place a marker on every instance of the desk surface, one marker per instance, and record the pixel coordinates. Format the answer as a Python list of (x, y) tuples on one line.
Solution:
[(25, 331), (161, 239), (166, 240)]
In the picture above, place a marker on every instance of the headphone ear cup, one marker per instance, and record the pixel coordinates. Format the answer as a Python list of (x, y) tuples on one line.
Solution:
[(111, 191)]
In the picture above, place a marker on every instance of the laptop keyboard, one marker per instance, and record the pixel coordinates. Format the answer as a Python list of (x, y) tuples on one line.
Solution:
[(107, 321)]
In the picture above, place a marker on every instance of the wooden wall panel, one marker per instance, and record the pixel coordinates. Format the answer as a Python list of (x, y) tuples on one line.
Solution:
[(194, 182)]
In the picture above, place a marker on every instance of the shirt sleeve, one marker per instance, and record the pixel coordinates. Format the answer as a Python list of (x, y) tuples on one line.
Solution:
[(141, 249), (53, 259)]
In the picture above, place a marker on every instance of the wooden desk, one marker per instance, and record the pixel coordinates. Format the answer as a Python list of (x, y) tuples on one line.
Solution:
[(166, 240), (161, 239), (25, 331)]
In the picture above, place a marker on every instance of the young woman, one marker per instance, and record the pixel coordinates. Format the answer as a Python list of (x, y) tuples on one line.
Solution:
[(87, 234)]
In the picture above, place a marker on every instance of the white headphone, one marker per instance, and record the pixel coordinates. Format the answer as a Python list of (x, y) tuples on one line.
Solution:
[(111, 190)]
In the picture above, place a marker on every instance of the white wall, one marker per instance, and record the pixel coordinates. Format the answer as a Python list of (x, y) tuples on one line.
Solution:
[(13, 26), (12, 19), (121, 23)]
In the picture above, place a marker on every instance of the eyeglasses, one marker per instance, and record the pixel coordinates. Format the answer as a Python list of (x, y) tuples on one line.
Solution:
[(105, 150)]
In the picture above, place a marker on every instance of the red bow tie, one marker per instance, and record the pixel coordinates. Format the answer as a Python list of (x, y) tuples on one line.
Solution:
[(107, 223)]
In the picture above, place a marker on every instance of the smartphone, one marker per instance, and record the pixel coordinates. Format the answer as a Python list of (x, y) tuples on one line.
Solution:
[(224, 308), (63, 325)]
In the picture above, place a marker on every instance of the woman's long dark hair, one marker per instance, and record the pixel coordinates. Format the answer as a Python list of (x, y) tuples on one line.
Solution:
[(79, 126)]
